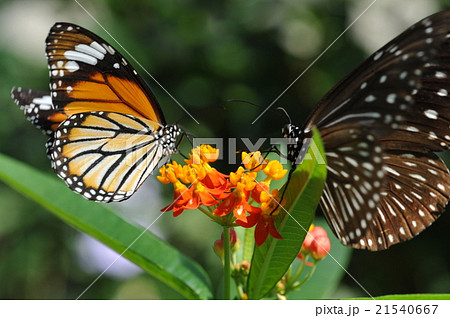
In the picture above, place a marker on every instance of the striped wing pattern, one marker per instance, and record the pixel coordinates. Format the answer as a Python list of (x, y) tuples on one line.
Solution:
[(346, 193), (105, 156), (416, 194), (395, 108), (106, 130)]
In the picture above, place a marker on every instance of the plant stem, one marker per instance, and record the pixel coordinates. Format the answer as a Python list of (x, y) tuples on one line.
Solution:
[(299, 270), (313, 268), (206, 212), (226, 263)]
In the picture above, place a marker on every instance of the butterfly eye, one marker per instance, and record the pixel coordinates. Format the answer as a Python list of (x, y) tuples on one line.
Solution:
[(286, 130)]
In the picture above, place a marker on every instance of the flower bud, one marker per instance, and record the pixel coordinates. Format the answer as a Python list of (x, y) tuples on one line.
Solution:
[(218, 248), (316, 242), (320, 247), (318, 231), (235, 244), (233, 239)]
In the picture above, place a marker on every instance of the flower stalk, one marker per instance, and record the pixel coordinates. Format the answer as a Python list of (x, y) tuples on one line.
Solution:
[(226, 264)]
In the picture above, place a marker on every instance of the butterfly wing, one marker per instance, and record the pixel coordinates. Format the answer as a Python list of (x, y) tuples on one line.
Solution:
[(37, 107), (417, 191), (107, 132), (105, 156), (347, 195), (382, 89), (400, 94), (88, 74)]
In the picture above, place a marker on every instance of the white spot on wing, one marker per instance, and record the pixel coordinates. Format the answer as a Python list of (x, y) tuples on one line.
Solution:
[(43, 100), (98, 47), (81, 57), (369, 98), (391, 98), (418, 177), (440, 75), (377, 55), (431, 113), (72, 66), (442, 92), (411, 128), (89, 50), (392, 171)]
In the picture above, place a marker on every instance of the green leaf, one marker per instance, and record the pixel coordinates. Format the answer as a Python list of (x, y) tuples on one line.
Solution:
[(410, 297), (147, 251), (272, 259), (329, 271)]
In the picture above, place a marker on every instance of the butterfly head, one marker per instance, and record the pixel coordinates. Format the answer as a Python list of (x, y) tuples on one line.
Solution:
[(291, 131), (298, 141)]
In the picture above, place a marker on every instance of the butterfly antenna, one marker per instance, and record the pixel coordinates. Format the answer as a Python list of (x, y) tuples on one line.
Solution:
[(188, 136), (274, 149), (183, 155), (243, 101), (260, 163), (284, 191), (285, 113), (259, 106)]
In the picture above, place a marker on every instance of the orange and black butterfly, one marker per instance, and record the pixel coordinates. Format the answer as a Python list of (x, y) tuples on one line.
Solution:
[(106, 130)]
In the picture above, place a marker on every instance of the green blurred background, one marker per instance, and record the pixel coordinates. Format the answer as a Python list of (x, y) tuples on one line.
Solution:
[(203, 53)]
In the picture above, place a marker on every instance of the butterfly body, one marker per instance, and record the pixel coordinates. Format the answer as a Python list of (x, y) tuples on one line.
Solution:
[(380, 127), (106, 130), (298, 144)]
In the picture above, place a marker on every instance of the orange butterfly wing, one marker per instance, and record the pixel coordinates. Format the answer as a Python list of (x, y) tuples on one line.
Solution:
[(87, 74), (106, 130), (105, 156)]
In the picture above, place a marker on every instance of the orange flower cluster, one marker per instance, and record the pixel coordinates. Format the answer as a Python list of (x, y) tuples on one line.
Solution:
[(197, 184)]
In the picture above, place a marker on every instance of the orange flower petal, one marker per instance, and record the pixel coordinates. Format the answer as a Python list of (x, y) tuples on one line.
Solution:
[(240, 213), (251, 221), (261, 232), (253, 161), (274, 169)]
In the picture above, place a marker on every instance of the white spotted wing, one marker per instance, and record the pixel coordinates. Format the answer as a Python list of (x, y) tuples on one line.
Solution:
[(396, 104)]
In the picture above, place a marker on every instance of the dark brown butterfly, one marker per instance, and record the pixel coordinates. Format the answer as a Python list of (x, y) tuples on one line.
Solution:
[(380, 126)]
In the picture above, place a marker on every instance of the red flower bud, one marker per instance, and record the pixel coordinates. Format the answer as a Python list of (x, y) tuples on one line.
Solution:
[(316, 243), (318, 231), (320, 247), (233, 239), (218, 248), (234, 243)]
